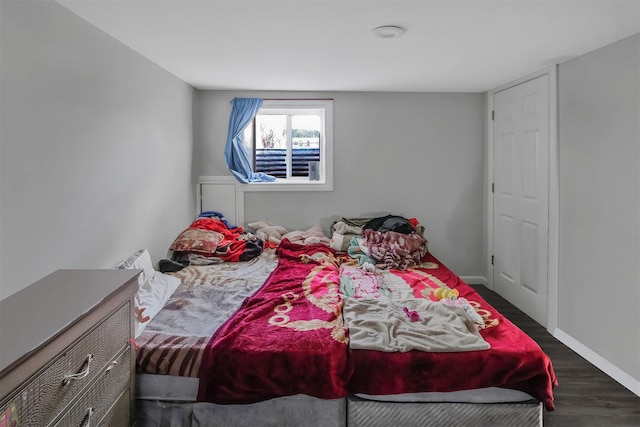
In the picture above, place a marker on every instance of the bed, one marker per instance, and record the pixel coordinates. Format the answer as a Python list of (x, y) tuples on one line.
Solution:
[(306, 334)]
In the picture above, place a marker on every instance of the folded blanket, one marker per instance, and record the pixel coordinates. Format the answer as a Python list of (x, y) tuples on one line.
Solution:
[(412, 324), (340, 242), (344, 228), (355, 222)]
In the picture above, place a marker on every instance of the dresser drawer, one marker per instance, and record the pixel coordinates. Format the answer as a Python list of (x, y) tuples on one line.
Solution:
[(97, 403), (40, 401), (120, 414)]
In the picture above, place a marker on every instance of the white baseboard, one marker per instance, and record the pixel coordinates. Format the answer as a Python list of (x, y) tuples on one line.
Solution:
[(598, 361), (474, 280)]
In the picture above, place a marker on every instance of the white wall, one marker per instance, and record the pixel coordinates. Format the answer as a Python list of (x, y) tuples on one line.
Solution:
[(599, 233), (411, 154), (96, 147)]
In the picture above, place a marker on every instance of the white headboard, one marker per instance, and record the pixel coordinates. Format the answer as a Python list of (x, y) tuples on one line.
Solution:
[(221, 194)]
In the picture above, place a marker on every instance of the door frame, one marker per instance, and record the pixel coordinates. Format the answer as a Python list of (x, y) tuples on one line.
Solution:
[(552, 260)]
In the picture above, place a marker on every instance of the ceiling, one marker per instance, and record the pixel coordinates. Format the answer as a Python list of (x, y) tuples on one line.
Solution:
[(328, 45)]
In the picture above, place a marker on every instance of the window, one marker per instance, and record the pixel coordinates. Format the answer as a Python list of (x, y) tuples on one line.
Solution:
[(292, 141)]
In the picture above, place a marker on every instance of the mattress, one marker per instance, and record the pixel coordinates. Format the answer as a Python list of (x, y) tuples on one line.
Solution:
[(185, 389)]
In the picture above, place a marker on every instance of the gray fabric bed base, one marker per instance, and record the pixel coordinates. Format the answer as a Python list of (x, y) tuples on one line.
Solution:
[(368, 413), (290, 411), (165, 401), (303, 411)]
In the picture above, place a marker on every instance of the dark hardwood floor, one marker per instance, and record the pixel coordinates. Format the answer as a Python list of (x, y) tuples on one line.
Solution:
[(585, 395)]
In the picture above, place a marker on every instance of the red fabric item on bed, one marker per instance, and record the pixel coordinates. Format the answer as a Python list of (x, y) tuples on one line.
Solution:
[(287, 338), (233, 247), (514, 361)]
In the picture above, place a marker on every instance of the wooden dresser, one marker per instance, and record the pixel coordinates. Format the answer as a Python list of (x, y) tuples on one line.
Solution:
[(65, 354)]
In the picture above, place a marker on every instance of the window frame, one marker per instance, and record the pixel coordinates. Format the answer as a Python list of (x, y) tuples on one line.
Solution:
[(302, 106)]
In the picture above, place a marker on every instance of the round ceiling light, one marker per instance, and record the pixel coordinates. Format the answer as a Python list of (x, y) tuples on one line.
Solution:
[(389, 31)]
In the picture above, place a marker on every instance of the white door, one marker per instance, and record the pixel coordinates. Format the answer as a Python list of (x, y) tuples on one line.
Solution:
[(521, 202)]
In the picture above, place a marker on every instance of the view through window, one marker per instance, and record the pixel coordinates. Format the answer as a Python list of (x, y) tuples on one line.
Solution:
[(288, 142)]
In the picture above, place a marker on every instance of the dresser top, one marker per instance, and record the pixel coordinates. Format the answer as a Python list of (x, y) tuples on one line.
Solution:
[(38, 313)]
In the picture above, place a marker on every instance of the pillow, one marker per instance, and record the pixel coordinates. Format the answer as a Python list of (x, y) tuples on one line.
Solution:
[(140, 260), (154, 288), (152, 296), (197, 240)]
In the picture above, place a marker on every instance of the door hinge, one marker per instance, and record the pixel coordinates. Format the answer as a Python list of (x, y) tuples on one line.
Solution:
[(493, 187), (493, 114), (491, 259)]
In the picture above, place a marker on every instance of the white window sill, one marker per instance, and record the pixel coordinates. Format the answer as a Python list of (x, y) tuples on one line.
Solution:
[(291, 184)]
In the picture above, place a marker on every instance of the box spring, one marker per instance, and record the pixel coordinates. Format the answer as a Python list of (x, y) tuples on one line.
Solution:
[(163, 400)]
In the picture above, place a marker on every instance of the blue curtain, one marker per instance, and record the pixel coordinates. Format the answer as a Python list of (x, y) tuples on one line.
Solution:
[(238, 161)]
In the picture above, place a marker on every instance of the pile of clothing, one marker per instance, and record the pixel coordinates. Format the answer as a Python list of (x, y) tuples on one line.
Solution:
[(210, 239), (390, 241)]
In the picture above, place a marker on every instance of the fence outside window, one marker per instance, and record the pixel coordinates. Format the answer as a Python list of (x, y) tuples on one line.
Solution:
[(273, 161)]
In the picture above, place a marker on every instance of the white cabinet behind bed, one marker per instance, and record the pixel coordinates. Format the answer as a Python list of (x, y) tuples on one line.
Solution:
[(221, 194)]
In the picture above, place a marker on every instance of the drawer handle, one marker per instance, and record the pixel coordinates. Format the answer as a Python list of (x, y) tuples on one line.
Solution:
[(80, 375), (111, 366), (88, 417)]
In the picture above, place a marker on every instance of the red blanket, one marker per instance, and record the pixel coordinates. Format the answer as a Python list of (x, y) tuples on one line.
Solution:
[(514, 361), (287, 338)]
